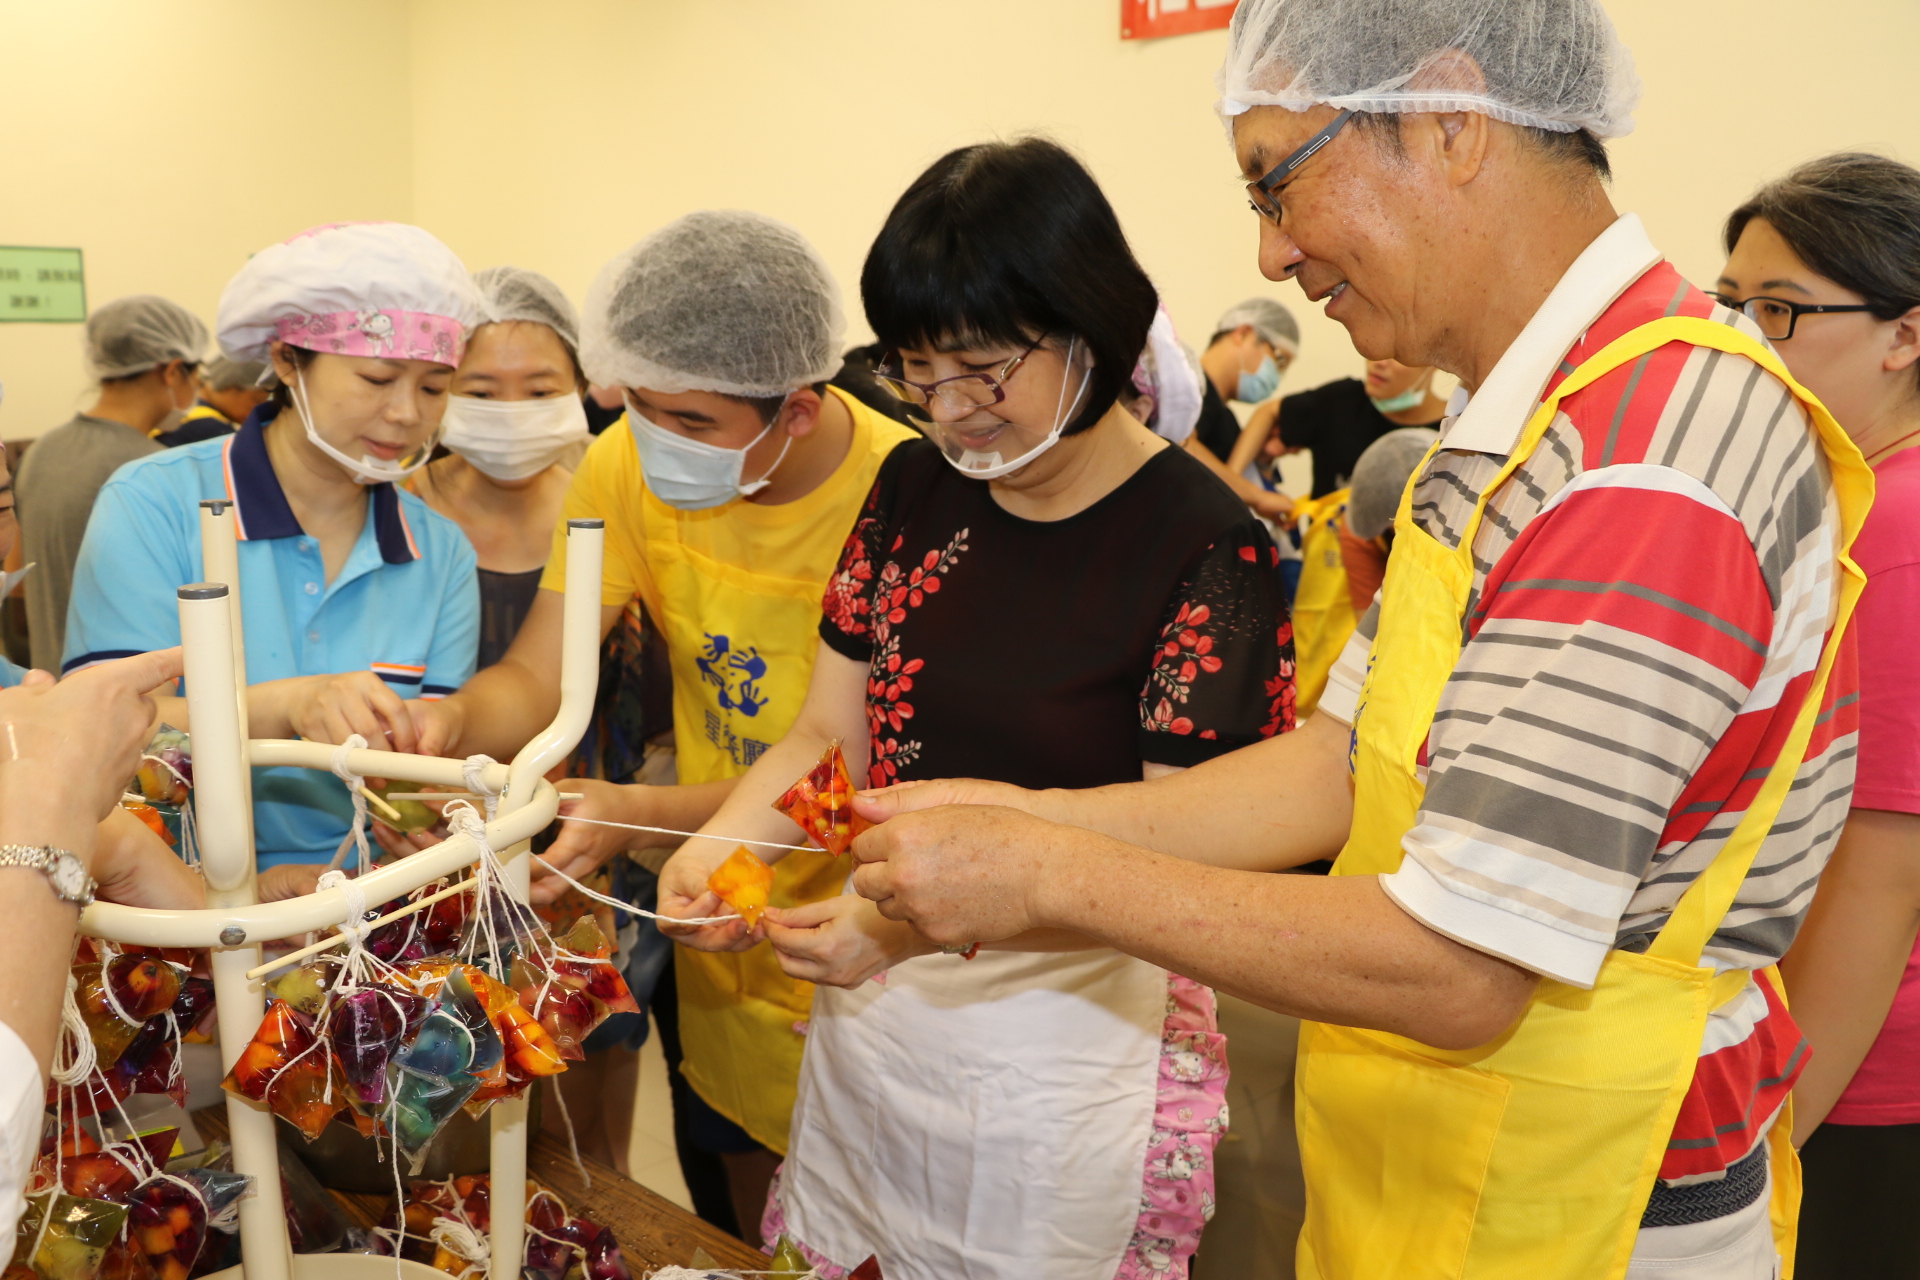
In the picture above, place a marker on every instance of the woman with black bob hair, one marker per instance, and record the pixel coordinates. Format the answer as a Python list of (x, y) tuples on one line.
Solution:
[(1042, 592)]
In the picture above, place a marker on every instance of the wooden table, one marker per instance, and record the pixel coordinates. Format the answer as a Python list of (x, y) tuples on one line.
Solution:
[(652, 1230)]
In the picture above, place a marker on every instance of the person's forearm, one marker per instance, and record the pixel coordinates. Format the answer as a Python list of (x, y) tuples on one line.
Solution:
[(268, 704), (747, 812), (1252, 435), (501, 709), (1277, 804), (36, 947), (1330, 948), (1846, 964), (1243, 488), (679, 808)]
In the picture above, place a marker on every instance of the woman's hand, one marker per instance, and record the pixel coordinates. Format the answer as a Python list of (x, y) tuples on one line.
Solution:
[(581, 849), (840, 942), (289, 880), (333, 708), (684, 894), (931, 793), (68, 749), (135, 867)]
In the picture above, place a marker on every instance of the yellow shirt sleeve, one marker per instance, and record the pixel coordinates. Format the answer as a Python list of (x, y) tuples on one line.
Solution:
[(606, 487)]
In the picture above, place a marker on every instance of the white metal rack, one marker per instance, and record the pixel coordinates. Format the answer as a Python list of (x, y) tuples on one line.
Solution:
[(234, 922)]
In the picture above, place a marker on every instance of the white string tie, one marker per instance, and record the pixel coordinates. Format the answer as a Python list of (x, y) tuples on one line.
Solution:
[(630, 909), (471, 773), (357, 835), (76, 1046), (356, 926), (461, 1240), (704, 835)]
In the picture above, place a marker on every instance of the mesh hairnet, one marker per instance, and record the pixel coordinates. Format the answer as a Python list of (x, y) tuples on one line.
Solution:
[(1273, 322), (722, 301), (1543, 64), (132, 335), (514, 293), (1381, 475), (224, 373)]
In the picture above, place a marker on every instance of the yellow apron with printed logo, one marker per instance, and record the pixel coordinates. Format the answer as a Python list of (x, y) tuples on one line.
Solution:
[(736, 592), (1323, 617), (1532, 1156)]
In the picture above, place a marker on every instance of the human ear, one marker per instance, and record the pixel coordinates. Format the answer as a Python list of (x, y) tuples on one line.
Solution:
[(1903, 348), (802, 412)]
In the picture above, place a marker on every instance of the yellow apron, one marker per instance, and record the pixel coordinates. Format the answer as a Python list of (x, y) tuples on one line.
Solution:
[(1532, 1156), (1323, 617)]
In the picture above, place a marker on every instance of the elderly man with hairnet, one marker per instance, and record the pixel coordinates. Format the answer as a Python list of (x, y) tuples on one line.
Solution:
[(727, 496), (1582, 763), (142, 352)]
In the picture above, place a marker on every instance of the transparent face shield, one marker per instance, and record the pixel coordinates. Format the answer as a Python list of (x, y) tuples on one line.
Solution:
[(968, 417)]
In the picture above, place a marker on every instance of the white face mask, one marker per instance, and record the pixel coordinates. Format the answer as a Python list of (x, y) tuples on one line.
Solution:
[(512, 439), (992, 463), (365, 469), (691, 475)]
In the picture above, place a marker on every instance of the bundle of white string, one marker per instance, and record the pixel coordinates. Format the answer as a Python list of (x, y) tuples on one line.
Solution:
[(356, 927), (357, 835)]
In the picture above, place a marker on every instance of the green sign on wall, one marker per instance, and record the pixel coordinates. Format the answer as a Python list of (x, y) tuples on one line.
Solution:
[(44, 285)]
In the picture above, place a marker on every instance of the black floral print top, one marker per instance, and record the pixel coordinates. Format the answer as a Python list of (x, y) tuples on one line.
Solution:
[(1148, 628)]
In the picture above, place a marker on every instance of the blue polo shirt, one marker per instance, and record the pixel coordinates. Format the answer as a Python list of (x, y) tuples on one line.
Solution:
[(405, 606), (11, 673)]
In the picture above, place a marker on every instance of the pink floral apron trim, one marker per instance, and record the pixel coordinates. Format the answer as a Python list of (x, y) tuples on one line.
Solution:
[(1190, 1115)]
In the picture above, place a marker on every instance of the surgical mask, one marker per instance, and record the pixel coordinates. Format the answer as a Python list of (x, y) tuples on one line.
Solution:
[(366, 469), (1260, 384), (510, 440), (991, 464), (692, 475), (8, 581), (1404, 401)]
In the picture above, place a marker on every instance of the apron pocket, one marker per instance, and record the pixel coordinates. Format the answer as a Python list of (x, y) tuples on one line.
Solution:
[(1395, 1147)]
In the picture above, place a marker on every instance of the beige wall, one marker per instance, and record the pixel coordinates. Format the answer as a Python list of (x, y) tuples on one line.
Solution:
[(170, 140), (552, 141)]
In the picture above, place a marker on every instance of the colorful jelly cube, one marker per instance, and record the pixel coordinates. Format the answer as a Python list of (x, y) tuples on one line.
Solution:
[(743, 883), (821, 804)]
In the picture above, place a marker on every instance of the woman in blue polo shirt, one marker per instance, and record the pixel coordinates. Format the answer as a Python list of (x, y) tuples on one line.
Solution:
[(354, 595)]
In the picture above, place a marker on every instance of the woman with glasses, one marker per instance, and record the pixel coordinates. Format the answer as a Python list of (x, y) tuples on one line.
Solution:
[(1827, 262), (1042, 591)]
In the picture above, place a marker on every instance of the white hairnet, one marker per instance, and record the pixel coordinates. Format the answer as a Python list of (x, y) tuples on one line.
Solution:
[(514, 293), (1380, 477), (1272, 321), (223, 373), (1542, 64), (1167, 372), (132, 335), (358, 288), (725, 301)]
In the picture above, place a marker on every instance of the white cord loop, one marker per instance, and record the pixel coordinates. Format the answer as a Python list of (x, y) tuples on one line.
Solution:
[(471, 773), (74, 1056), (357, 836)]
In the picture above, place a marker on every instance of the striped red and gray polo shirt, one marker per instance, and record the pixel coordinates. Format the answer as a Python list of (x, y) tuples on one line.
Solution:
[(1651, 592)]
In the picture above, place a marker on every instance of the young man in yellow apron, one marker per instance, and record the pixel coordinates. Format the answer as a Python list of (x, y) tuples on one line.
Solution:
[(728, 492), (1597, 735)]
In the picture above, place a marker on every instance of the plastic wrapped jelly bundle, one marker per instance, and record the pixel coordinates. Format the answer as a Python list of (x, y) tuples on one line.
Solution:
[(449, 1058), (65, 1237), (169, 1215), (166, 767), (821, 804), (444, 1224), (290, 1069), (743, 882), (119, 994)]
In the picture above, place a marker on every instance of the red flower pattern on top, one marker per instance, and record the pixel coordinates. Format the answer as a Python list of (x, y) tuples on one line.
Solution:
[(890, 676)]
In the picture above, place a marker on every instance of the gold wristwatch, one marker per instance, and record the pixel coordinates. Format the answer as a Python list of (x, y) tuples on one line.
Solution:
[(66, 873)]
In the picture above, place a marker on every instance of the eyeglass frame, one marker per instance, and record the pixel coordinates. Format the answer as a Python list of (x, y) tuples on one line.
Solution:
[(995, 382), (1794, 309), (1264, 188)]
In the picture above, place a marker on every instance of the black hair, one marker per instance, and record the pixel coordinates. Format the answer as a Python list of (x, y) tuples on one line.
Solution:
[(1853, 218), (1581, 150), (283, 398), (1004, 242), (768, 407)]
